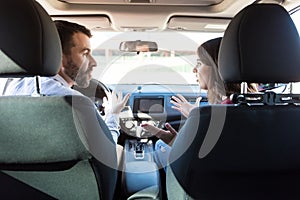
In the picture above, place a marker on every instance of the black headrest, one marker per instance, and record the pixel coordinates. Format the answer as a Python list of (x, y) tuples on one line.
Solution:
[(261, 44), (29, 41)]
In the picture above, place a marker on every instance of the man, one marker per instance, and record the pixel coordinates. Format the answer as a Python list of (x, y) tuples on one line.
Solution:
[(76, 69), (77, 61)]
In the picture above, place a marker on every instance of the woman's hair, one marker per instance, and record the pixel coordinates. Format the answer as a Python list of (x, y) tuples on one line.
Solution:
[(232, 88), (208, 54), (217, 90)]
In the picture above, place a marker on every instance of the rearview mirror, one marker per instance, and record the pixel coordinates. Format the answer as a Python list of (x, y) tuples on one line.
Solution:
[(138, 46)]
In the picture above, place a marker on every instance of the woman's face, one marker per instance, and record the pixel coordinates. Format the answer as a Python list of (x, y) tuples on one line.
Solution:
[(202, 73)]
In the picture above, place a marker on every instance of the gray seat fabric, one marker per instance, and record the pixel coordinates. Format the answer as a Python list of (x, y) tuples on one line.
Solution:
[(54, 147), (240, 151)]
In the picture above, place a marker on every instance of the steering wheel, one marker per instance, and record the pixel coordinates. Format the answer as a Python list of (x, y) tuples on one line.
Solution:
[(96, 91)]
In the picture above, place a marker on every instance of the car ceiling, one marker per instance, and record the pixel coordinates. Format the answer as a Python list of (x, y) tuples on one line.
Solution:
[(153, 15)]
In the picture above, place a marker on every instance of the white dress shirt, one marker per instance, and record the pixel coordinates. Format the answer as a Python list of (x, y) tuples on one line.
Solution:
[(56, 86)]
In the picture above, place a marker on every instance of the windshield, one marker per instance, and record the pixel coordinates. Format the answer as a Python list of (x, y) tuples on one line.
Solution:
[(173, 63)]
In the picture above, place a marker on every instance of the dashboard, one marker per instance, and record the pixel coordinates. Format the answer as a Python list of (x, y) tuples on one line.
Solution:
[(151, 104), (148, 103)]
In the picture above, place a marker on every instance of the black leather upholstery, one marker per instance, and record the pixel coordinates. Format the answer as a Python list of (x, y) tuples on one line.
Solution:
[(253, 155), (58, 146), (241, 151), (260, 45)]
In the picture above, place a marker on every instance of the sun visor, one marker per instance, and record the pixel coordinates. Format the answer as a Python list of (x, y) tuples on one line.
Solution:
[(91, 22), (198, 24)]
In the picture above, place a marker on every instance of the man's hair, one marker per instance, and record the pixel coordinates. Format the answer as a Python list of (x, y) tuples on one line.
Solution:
[(66, 30)]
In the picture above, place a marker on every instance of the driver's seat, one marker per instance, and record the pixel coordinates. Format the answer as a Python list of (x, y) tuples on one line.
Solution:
[(50, 147)]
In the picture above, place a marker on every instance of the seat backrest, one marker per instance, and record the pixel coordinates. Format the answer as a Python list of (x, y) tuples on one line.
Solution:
[(50, 147), (244, 151)]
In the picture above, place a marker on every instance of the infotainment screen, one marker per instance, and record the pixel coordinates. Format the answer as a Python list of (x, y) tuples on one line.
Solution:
[(148, 105)]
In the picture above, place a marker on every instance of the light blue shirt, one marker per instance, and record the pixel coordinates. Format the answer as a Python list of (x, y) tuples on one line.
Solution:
[(56, 86)]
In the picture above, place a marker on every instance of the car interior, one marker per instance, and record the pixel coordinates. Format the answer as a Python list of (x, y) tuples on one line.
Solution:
[(59, 147)]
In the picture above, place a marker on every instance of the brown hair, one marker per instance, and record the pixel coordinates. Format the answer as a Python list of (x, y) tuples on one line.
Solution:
[(66, 30), (208, 54), (232, 88), (216, 89)]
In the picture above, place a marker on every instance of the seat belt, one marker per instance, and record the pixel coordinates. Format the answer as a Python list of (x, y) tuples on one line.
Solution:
[(6, 85)]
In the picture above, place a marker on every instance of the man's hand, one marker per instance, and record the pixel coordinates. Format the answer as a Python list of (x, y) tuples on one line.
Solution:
[(115, 103)]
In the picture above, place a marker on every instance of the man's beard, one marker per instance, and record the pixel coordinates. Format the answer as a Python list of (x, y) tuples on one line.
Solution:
[(81, 78)]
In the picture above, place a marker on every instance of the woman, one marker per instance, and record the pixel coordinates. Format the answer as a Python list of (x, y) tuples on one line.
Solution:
[(208, 77)]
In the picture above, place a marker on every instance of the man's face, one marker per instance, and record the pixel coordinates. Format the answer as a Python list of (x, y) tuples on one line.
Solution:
[(78, 65)]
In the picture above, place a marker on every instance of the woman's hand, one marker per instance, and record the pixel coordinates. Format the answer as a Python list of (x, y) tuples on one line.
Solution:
[(168, 136), (182, 105)]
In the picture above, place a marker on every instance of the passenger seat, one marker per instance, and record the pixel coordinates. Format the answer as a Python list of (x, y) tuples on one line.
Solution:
[(247, 150)]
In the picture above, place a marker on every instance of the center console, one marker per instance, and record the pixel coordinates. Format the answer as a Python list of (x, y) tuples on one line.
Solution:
[(141, 175)]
